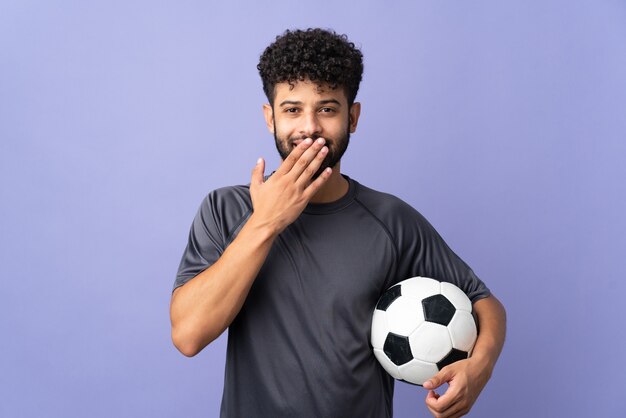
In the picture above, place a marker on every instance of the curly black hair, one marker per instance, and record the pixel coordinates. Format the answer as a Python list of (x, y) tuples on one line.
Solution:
[(321, 56)]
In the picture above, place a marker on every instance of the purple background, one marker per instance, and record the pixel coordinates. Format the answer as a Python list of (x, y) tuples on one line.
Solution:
[(504, 124)]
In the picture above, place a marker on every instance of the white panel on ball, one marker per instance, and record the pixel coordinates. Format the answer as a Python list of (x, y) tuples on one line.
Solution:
[(379, 328), (430, 342), (417, 371), (404, 315), (456, 297), (391, 368), (462, 331), (420, 287)]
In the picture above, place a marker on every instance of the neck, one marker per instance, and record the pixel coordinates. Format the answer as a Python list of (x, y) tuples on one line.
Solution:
[(334, 189)]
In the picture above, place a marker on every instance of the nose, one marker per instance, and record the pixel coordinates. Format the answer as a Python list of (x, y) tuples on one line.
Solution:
[(311, 127)]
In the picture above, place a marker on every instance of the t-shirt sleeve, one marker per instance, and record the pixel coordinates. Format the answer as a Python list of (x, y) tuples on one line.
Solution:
[(204, 246), (423, 252)]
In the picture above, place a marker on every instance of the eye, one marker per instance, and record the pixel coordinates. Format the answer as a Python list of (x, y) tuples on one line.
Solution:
[(291, 110), (327, 110)]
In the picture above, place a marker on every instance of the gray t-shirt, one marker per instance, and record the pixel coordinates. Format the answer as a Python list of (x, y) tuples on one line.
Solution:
[(300, 346)]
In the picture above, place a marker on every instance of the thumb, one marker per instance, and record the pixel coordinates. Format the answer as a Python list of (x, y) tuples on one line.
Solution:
[(437, 380), (257, 173)]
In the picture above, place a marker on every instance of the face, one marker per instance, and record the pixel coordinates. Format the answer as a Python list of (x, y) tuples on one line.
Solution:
[(311, 111)]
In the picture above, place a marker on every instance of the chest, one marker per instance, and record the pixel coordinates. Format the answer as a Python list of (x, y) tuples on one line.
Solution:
[(336, 263)]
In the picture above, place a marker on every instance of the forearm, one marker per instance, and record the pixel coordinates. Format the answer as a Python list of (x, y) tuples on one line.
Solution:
[(205, 306), (492, 331), (467, 378)]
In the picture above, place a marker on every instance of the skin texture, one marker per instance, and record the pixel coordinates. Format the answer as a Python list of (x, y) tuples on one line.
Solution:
[(310, 110), (307, 120), (205, 306), (291, 113), (467, 378)]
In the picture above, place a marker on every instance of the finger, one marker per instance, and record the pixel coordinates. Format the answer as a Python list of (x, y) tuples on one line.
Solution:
[(312, 168), (294, 156), (432, 395), (449, 397), (440, 406), (316, 184), (257, 173), (446, 404), (437, 380), (456, 410), (306, 158)]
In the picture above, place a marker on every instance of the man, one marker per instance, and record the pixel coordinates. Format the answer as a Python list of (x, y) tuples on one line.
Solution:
[(294, 263)]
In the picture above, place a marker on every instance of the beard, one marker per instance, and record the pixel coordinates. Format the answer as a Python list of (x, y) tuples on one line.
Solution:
[(336, 148)]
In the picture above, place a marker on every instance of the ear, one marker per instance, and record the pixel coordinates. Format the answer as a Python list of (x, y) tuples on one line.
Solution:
[(268, 114), (355, 112)]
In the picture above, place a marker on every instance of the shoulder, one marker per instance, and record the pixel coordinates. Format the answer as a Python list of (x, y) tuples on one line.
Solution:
[(388, 208), (225, 208), (228, 198), (404, 224)]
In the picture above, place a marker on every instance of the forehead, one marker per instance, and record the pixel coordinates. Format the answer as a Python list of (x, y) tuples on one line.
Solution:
[(307, 90)]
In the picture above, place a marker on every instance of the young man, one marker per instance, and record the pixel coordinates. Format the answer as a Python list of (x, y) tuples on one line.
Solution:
[(294, 263)]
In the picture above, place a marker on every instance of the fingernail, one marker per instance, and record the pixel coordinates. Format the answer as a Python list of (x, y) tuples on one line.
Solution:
[(320, 141), (308, 141), (259, 161)]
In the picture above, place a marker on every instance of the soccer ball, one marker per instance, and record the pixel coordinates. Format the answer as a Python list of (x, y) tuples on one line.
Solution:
[(421, 325)]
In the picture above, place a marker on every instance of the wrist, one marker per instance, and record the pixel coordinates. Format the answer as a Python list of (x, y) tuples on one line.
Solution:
[(262, 228), (483, 362)]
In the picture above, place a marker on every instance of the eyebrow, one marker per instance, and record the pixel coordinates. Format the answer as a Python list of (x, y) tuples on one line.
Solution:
[(298, 103)]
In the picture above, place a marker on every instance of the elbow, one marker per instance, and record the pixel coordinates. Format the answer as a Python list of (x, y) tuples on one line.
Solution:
[(189, 344), (186, 345), (189, 335), (188, 350)]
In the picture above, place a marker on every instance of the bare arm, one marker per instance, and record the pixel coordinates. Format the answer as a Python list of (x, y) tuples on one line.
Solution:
[(467, 378), (204, 307), (492, 324)]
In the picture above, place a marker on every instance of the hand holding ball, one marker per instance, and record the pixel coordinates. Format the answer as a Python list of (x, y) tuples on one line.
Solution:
[(421, 325)]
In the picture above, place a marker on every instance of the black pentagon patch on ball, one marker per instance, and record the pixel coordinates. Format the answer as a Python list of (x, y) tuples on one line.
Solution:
[(398, 349), (389, 296), (438, 309), (454, 355)]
